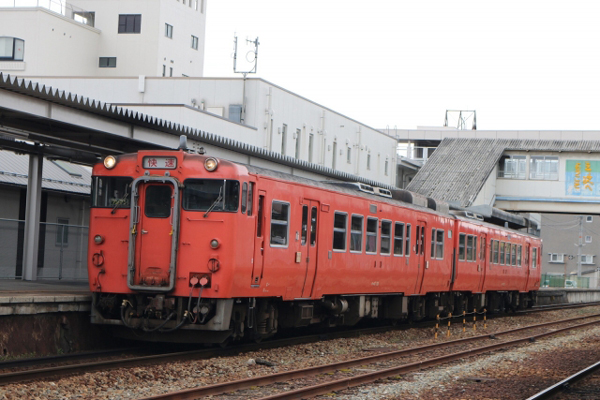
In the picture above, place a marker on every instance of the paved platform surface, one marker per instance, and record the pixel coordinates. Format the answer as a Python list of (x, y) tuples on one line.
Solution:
[(19, 297)]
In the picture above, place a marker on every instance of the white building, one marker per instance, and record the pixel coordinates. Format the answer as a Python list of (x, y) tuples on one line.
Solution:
[(102, 37)]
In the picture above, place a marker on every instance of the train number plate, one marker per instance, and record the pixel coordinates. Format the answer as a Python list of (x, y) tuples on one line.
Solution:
[(160, 162)]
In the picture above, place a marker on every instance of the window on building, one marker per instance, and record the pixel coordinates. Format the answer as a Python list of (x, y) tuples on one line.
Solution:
[(588, 239), (280, 214), (557, 258), (587, 259), (371, 246), (11, 49), (170, 71), (62, 232), (512, 167), (164, 70), (283, 138), (340, 222), (398, 239), (169, 31), (589, 218), (130, 23), (356, 233), (311, 139), (369, 161), (386, 234), (298, 143), (194, 42), (349, 155), (386, 167), (543, 168), (107, 62)]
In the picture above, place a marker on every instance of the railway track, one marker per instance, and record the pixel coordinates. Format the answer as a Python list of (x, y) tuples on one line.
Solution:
[(567, 384), (357, 378), (87, 365)]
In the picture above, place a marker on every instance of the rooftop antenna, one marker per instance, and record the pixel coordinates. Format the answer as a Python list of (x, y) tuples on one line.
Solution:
[(463, 118), (252, 59)]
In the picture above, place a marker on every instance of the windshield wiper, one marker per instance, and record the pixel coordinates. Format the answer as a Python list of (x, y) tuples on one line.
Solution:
[(214, 204), (119, 202)]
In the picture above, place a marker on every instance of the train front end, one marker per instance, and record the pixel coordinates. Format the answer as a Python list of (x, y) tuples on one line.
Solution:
[(157, 227)]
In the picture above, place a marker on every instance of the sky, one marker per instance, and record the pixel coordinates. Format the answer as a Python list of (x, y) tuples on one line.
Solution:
[(522, 65)]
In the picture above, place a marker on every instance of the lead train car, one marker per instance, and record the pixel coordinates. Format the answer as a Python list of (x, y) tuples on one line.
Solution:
[(188, 248)]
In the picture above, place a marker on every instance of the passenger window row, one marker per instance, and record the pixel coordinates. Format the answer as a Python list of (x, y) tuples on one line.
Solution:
[(504, 253), (377, 237), (467, 247)]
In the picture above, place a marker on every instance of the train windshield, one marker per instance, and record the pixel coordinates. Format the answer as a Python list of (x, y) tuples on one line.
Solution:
[(214, 194), (110, 191)]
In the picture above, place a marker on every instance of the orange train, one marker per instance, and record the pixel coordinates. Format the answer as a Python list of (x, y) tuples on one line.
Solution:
[(190, 248)]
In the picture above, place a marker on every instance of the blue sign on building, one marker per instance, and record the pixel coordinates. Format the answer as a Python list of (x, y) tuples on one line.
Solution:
[(582, 178)]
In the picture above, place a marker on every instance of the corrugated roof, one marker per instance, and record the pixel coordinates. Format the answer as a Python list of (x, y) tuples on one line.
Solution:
[(14, 169), (458, 168)]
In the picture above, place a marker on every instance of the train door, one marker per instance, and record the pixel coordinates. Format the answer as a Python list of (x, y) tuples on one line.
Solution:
[(419, 249), (525, 263), (482, 261), (259, 241), (308, 244), (154, 233)]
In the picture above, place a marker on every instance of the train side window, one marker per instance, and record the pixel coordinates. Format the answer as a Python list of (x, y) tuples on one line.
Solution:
[(407, 248), (417, 239), (501, 253), (340, 222), (470, 248), (244, 197), (304, 229), (259, 222), (433, 237), (496, 245), (371, 246), (313, 226), (507, 248), (280, 218), (422, 241), (439, 244), (250, 198), (534, 258), (514, 255), (356, 233), (492, 251), (462, 244), (519, 253), (398, 239), (386, 233)]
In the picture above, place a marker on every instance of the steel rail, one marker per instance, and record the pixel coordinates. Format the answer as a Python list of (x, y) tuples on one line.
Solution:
[(28, 362), (558, 387), (225, 387)]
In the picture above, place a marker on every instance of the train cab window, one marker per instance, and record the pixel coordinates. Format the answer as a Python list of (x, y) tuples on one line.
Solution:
[(158, 201), (534, 258), (501, 253), (496, 245), (519, 252), (111, 192), (304, 228), (280, 218), (407, 248), (340, 223), (462, 244), (356, 233), (244, 197), (215, 194), (398, 239), (371, 246), (386, 233)]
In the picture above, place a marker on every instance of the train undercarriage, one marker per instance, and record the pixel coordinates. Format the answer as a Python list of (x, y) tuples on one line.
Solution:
[(162, 318)]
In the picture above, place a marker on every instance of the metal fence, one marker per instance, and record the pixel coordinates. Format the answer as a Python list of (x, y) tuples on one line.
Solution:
[(559, 281), (58, 6), (62, 250)]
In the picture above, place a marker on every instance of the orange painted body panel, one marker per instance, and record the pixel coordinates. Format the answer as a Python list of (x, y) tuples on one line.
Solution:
[(249, 266)]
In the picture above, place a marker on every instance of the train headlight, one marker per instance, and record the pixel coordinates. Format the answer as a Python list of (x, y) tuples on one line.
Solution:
[(110, 162), (98, 239), (211, 164), (214, 244)]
